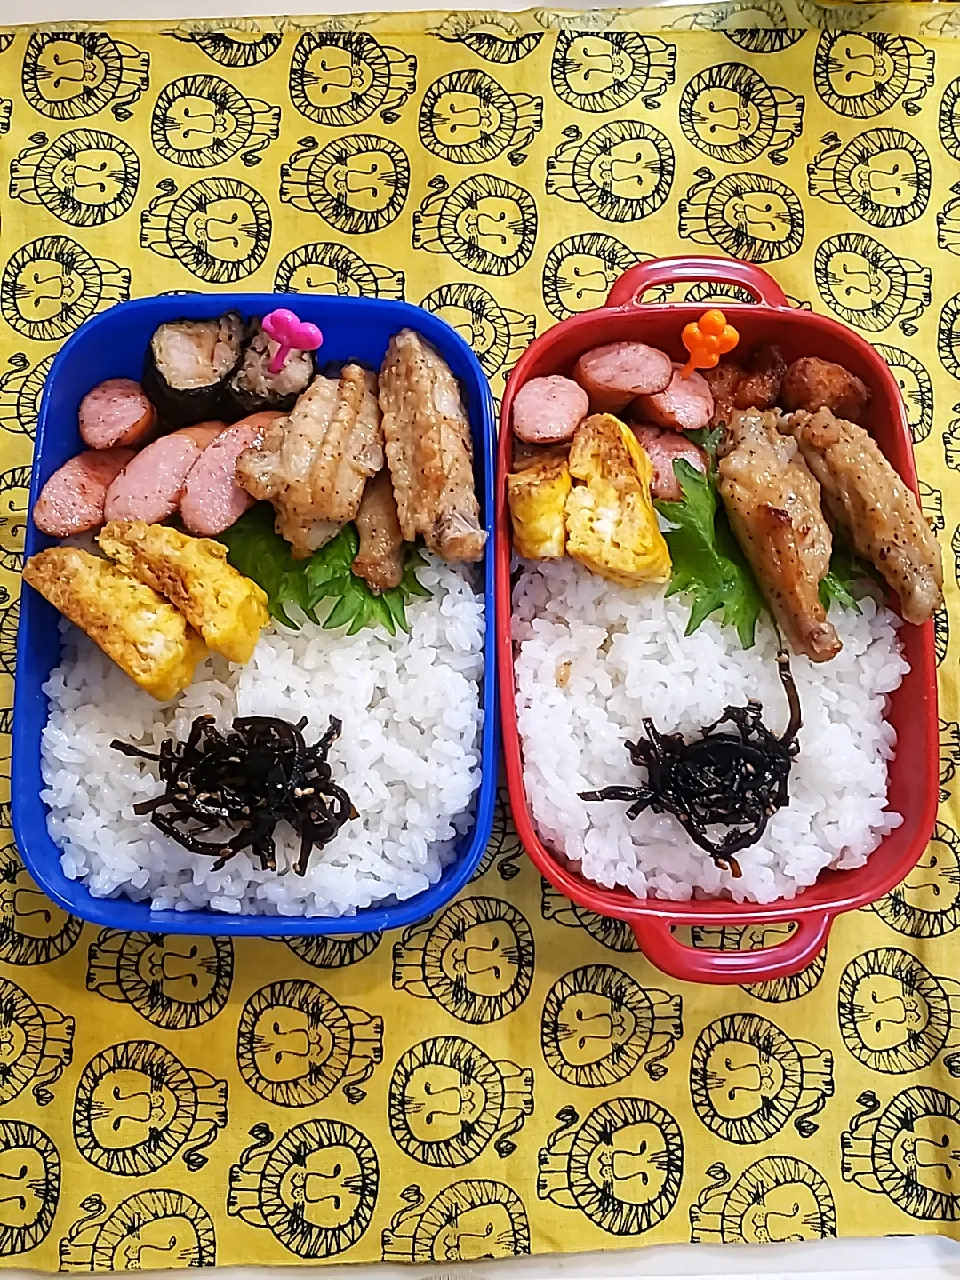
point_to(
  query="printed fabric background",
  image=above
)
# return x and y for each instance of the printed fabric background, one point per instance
(510, 1076)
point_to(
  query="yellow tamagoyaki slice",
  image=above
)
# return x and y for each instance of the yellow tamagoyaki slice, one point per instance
(537, 495)
(611, 523)
(227, 609)
(133, 624)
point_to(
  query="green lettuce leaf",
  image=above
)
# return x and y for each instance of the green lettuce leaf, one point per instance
(707, 563)
(707, 438)
(257, 550)
(845, 577)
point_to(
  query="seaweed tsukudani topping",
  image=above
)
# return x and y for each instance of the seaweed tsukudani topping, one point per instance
(737, 780)
(259, 774)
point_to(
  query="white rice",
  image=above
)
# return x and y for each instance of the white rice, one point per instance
(593, 659)
(408, 756)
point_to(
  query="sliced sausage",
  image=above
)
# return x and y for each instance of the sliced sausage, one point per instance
(212, 499)
(204, 433)
(150, 487)
(663, 448)
(549, 410)
(72, 500)
(612, 375)
(686, 404)
(116, 412)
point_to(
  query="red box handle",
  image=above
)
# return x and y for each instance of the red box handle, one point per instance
(662, 947)
(628, 290)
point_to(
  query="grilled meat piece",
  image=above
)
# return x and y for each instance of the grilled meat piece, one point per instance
(723, 380)
(313, 464)
(380, 558)
(773, 504)
(811, 383)
(878, 512)
(759, 387)
(429, 449)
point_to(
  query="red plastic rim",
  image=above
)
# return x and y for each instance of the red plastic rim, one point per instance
(914, 773)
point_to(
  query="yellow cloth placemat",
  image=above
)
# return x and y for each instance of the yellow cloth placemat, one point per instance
(174, 1101)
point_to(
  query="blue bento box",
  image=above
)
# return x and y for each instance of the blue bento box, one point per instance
(112, 345)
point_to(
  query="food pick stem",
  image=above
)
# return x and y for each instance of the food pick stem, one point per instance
(291, 334)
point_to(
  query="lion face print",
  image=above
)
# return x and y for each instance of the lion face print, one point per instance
(333, 75)
(477, 1234)
(740, 1078)
(860, 74)
(66, 71)
(33, 930)
(180, 969)
(507, 1074)
(315, 1188)
(927, 903)
(439, 1101)
(193, 123)
(29, 1186)
(150, 1230)
(786, 1215)
(468, 1221)
(486, 958)
(590, 1027)
(287, 1046)
(327, 1189)
(45, 287)
(72, 75)
(775, 1200)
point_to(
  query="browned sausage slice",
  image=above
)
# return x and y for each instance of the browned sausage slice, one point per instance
(686, 404)
(663, 448)
(204, 433)
(212, 499)
(150, 487)
(549, 410)
(116, 412)
(612, 375)
(72, 500)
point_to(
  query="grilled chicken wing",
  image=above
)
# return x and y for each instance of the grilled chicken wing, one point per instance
(352, 449)
(877, 511)
(429, 449)
(313, 464)
(379, 560)
(773, 503)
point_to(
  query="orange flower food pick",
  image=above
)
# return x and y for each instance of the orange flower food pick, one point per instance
(707, 339)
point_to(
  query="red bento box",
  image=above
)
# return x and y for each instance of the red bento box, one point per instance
(914, 773)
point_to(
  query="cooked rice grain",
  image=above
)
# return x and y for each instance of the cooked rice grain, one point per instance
(408, 755)
(593, 659)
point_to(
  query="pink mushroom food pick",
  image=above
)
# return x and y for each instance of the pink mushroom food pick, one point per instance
(291, 334)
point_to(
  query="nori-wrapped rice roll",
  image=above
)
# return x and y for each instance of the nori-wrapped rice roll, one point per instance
(252, 387)
(187, 366)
